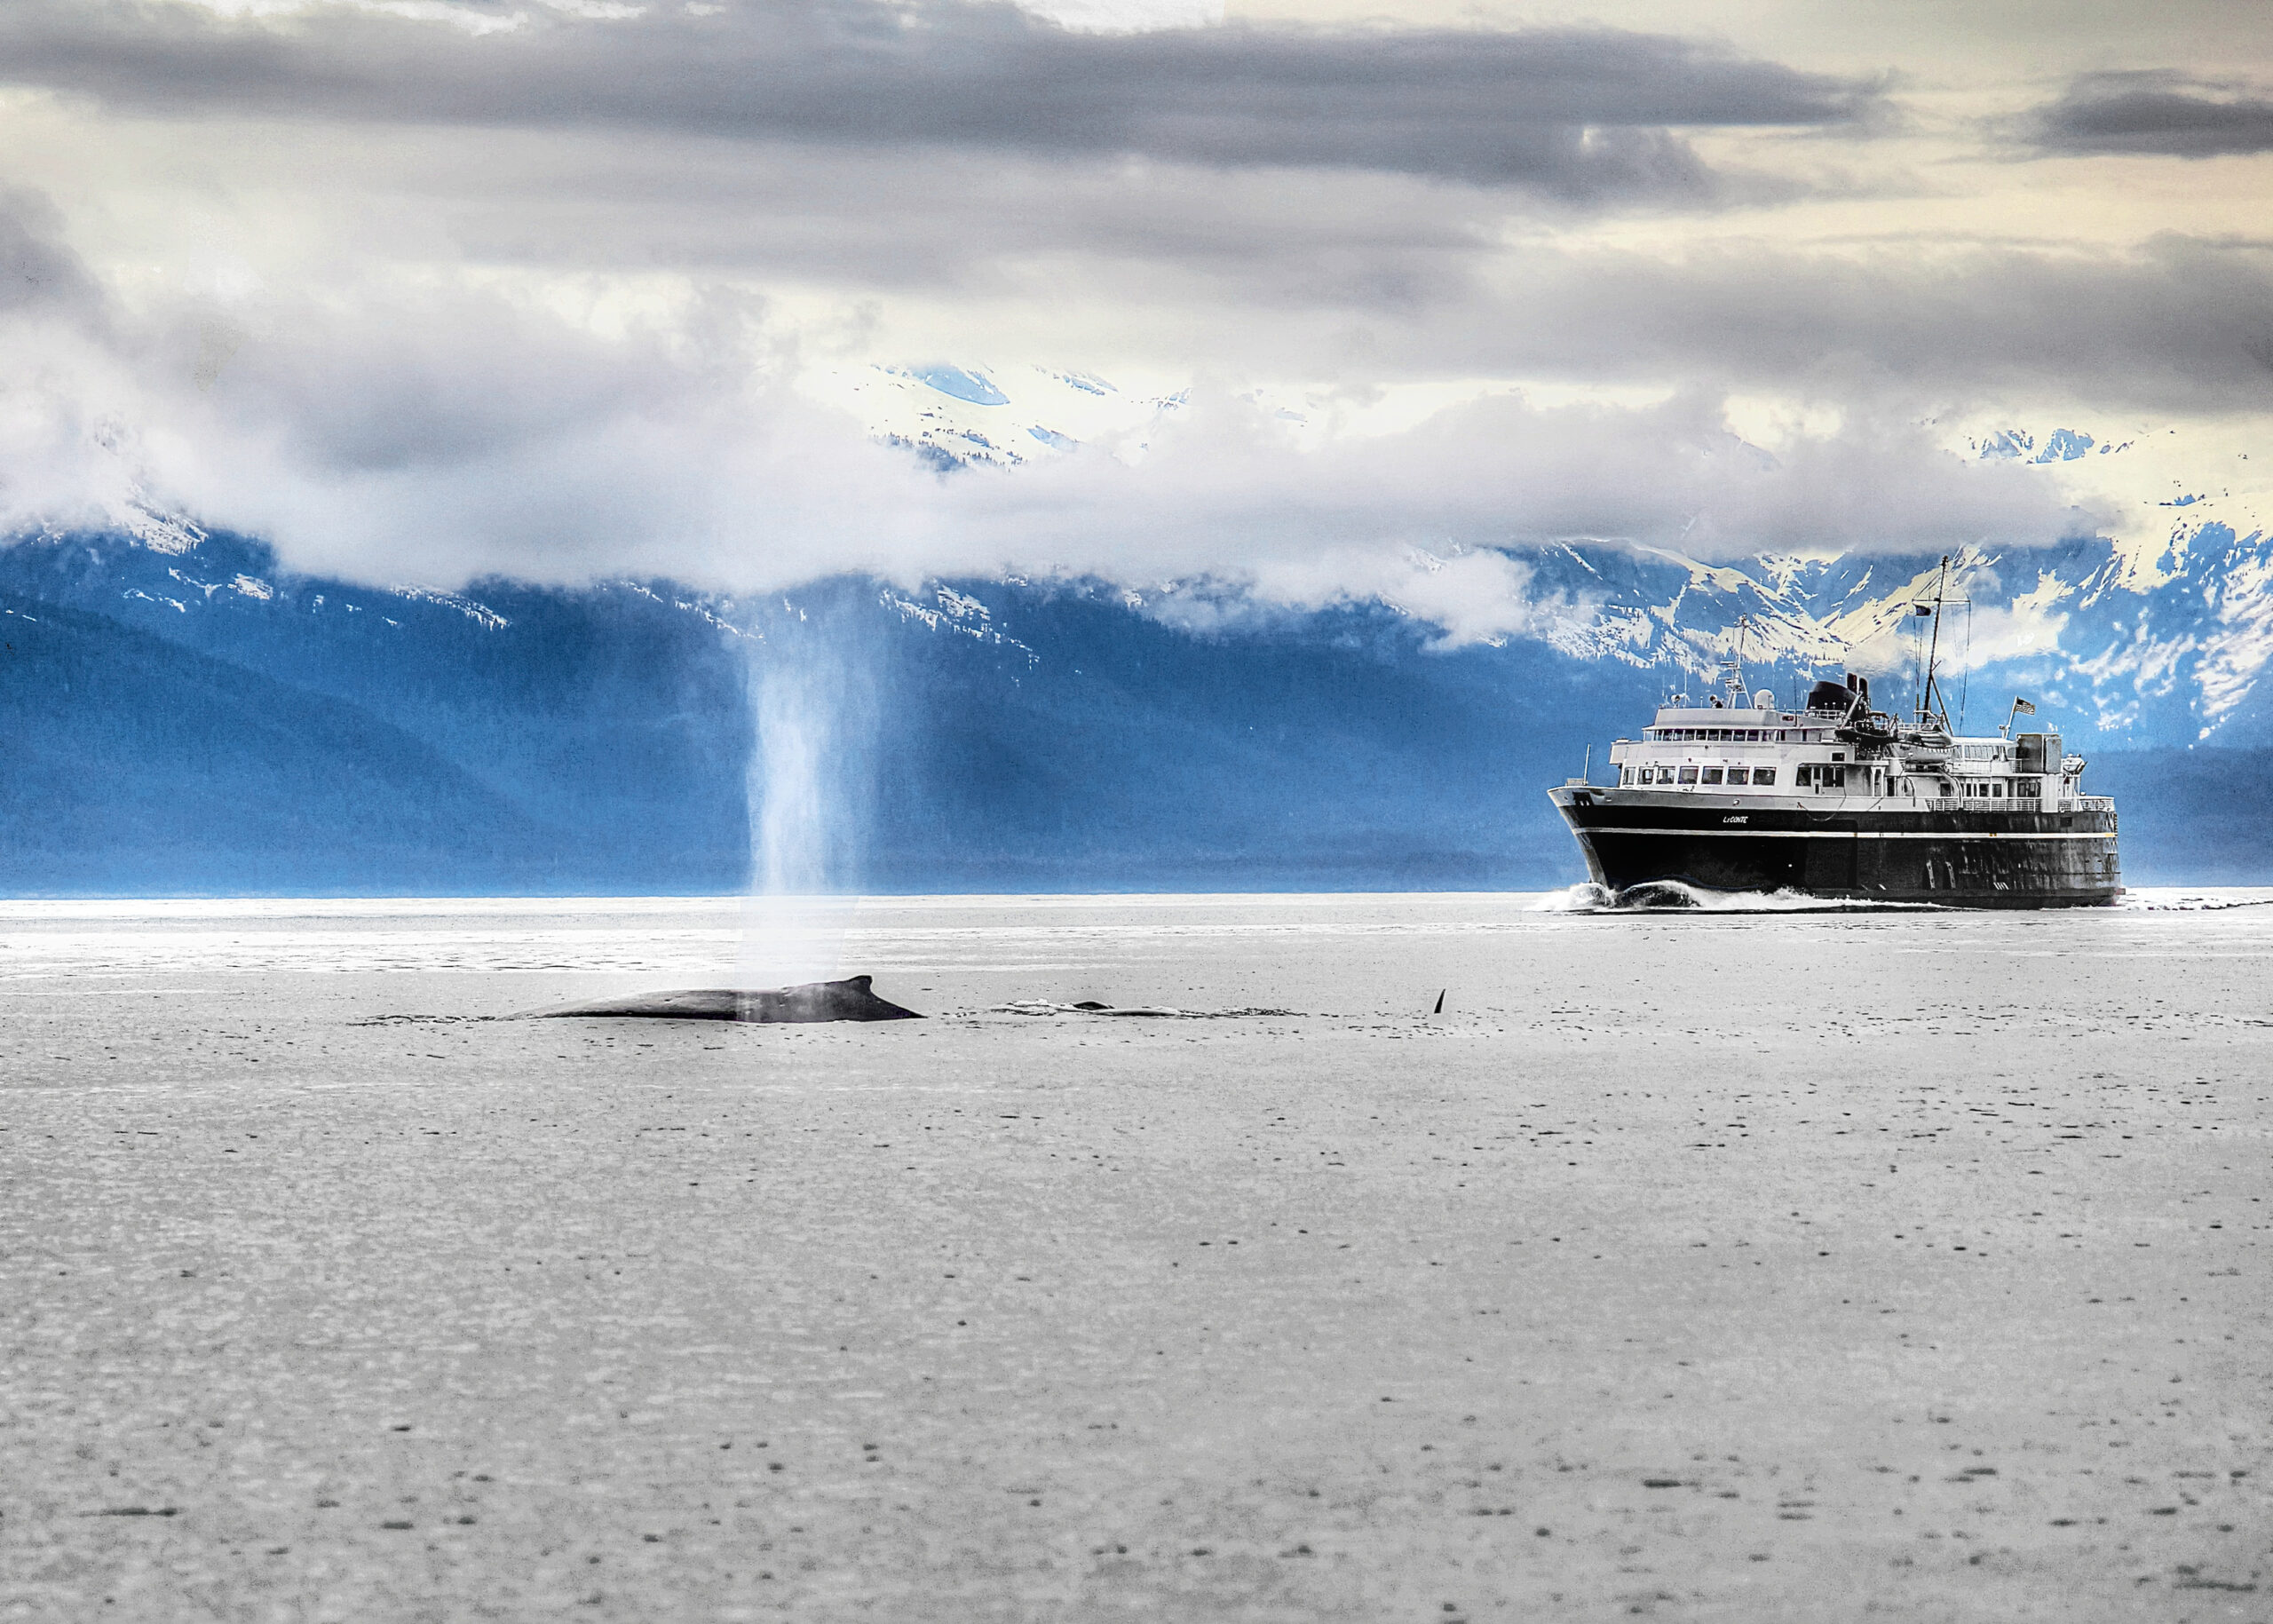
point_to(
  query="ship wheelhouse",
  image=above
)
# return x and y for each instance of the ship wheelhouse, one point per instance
(1762, 750)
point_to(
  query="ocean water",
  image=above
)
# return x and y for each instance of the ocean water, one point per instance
(1733, 1261)
(716, 939)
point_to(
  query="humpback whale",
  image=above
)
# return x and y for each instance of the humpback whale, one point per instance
(847, 999)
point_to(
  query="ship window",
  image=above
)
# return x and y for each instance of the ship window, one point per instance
(1948, 787)
(2029, 788)
(1764, 775)
(1689, 775)
(1737, 775)
(1712, 775)
(1997, 790)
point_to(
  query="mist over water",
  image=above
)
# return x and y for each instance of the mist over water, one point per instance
(812, 775)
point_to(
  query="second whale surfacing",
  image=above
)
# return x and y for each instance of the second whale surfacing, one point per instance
(850, 999)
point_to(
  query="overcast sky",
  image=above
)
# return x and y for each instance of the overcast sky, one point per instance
(435, 287)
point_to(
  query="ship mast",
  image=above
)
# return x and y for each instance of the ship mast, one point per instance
(1927, 693)
(1732, 668)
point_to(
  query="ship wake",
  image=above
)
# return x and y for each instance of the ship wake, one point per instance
(1680, 897)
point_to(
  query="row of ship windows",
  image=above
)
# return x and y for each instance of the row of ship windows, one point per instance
(1689, 775)
(1734, 735)
(1825, 775)
(1785, 735)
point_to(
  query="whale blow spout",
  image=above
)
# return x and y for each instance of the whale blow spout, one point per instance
(847, 999)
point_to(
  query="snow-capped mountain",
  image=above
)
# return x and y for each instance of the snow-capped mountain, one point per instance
(179, 711)
(975, 416)
(2158, 632)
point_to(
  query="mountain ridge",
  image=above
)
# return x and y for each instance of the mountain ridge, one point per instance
(1010, 733)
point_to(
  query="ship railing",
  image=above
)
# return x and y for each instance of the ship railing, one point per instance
(2095, 802)
(1948, 804)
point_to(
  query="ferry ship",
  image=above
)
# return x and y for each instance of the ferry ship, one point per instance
(1837, 799)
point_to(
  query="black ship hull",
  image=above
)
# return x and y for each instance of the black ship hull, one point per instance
(1847, 849)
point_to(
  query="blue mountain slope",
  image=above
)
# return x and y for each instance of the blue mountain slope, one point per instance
(1122, 754)
(231, 781)
(612, 720)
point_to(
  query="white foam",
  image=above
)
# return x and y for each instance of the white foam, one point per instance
(1677, 896)
(2193, 899)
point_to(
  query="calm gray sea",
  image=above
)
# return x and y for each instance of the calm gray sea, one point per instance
(1740, 1264)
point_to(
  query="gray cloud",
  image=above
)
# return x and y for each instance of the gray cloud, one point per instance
(1326, 276)
(37, 268)
(2178, 324)
(2156, 112)
(1584, 115)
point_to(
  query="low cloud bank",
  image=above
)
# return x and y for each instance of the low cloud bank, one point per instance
(442, 434)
